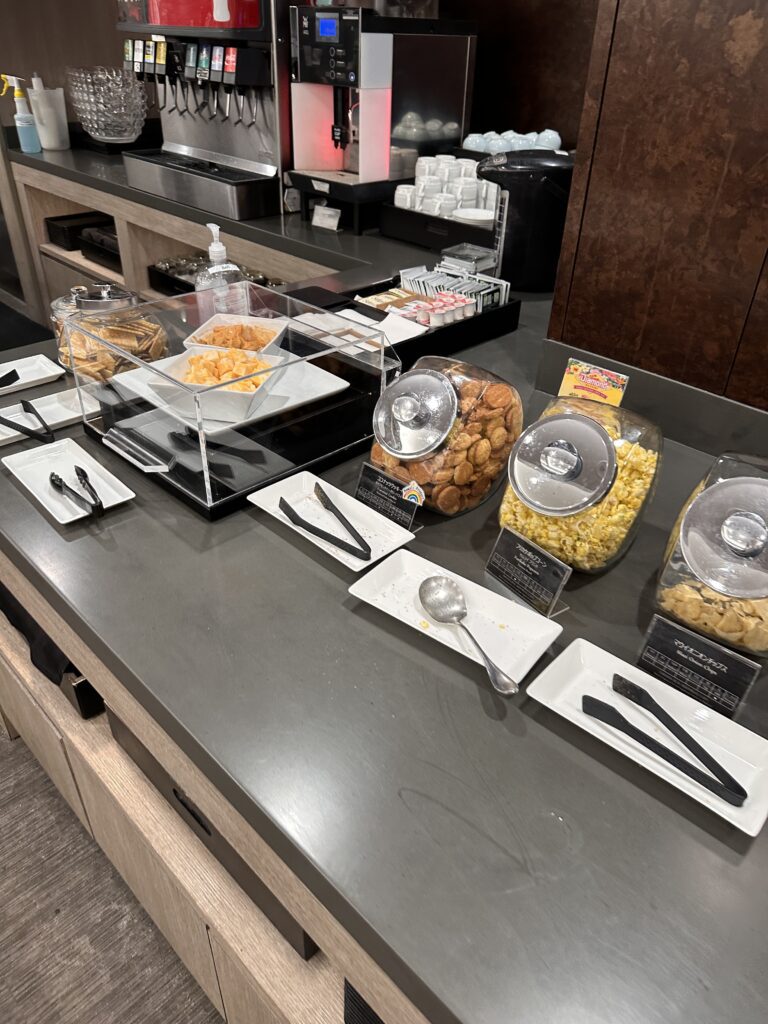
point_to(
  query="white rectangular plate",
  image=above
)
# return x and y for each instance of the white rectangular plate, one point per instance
(583, 668)
(300, 383)
(513, 636)
(58, 410)
(32, 371)
(33, 469)
(381, 533)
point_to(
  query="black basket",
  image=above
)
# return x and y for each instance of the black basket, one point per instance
(356, 1010)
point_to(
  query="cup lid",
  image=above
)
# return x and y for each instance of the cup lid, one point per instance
(415, 414)
(102, 295)
(724, 537)
(562, 464)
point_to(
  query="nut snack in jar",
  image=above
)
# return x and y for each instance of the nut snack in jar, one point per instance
(448, 426)
(715, 575)
(109, 312)
(579, 478)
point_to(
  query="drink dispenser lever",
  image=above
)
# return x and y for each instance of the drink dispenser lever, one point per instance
(203, 73)
(228, 79)
(188, 81)
(161, 78)
(217, 76)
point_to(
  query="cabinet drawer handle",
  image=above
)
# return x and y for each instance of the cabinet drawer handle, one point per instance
(192, 811)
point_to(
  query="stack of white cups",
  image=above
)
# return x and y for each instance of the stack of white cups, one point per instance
(447, 187)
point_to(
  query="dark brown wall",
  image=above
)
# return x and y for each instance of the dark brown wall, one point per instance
(532, 62)
(747, 382)
(47, 36)
(662, 259)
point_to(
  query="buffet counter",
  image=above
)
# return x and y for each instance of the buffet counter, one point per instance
(459, 858)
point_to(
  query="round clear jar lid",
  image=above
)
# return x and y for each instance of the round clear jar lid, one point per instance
(724, 537)
(415, 414)
(562, 465)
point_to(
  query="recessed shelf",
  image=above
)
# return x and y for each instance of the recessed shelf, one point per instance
(74, 258)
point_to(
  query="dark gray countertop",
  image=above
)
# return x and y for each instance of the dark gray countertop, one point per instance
(353, 255)
(498, 863)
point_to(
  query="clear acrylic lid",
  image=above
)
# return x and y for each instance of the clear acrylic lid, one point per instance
(415, 414)
(724, 537)
(562, 464)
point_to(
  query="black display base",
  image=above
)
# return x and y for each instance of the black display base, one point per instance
(433, 233)
(360, 203)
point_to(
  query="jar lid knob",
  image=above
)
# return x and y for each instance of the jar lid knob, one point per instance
(745, 533)
(562, 459)
(408, 409)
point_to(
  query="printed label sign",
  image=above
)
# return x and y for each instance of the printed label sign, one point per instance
(583, 380)
(384, 494)
(528, 571)
(703, 669)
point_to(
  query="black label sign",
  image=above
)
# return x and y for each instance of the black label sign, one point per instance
(528, 571)
(701, 668)
(384, 494)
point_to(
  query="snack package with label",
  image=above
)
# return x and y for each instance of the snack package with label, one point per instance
(715, 575)
(450, 427)
(579, 479)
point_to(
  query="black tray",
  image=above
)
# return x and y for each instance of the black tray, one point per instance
(167, 283)
(104, 255)
(65, 230)
(433, 233)
(444, 341)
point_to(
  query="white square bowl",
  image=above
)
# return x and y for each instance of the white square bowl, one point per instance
(276, 324)
(218, 402)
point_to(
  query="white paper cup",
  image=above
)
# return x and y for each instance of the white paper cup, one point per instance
(467, 167)
(447, 204)
(404, 196)
(426, 166)
(428, 185)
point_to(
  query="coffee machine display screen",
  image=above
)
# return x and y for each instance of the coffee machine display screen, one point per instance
(328, 29)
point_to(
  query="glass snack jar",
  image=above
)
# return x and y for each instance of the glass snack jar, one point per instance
(579, 478)
(715, 575)
(136, 333)
(449, 427)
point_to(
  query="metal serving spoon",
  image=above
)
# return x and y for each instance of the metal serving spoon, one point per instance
(443, 600)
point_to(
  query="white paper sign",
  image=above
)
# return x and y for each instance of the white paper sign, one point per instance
(326, 217)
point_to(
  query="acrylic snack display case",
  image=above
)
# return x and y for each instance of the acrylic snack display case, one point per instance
(715, 576)
(236, 401)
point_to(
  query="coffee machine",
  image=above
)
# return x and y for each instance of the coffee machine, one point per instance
(371, 92)
(220, 70)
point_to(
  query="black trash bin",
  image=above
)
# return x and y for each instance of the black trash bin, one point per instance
(539, 183)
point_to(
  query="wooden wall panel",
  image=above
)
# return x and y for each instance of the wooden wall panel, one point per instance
(531, 63)
(47, 36)
(602, 41)
(675, 223)
(748, 381)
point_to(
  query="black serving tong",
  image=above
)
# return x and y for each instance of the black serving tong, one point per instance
(360, 550)
(91, 504)
(722, 785)
(9, 378)
(43, 434)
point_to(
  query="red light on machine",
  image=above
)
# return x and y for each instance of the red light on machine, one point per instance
(206, 13)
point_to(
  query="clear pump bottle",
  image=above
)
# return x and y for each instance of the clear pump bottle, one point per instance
(215, 281)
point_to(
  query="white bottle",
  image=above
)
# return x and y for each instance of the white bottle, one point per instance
(214, 281)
